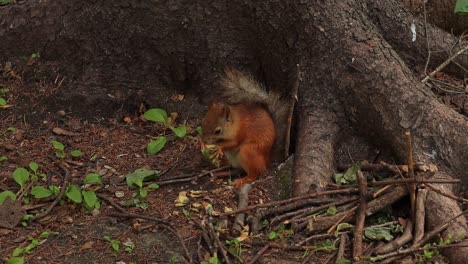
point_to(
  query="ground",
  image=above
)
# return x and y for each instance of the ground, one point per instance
(114, 147)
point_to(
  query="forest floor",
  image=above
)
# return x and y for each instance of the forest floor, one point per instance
(113, 148)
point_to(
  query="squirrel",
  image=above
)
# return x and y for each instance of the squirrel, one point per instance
(243, 125)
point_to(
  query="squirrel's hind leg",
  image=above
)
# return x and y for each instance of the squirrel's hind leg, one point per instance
(253, 162)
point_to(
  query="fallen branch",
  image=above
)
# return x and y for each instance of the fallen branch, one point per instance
(383, 166)
(189, 179)
(243, 203)
(341, 247)
(445, 63)
(409, 152)
(420, 215)
(360, 216)
(281, 202)
(259, 254)
(399, 241)
(373, 207)
(448, 195)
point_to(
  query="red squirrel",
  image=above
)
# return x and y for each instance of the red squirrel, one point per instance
(243, 126)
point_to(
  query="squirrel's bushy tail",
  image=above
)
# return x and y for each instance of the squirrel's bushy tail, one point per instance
(240, 87)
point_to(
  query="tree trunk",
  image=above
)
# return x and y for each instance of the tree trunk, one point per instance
(360, 69)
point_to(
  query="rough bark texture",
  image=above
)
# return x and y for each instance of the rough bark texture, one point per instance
(358, 66)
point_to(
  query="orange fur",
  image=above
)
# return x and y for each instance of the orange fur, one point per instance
(245, 132)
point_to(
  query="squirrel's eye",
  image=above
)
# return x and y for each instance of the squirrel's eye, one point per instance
(217, 131)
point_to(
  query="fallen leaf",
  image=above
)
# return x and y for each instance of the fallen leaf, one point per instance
(11, 213)
(127, 120)
(177, 97)
(182, 200)
(87, 245)
(61, 131)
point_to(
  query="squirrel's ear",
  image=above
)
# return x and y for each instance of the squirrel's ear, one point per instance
(227, 112)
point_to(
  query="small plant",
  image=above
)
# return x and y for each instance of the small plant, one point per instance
(19, 252)
(234, 246)
(281, 233)
(115, 244)
(60, 150)
(36, 55)
(85, 196)
(3, 102)
(349, 177)
(160, 116)
(6, 131)
(212, 260)
(139, 196)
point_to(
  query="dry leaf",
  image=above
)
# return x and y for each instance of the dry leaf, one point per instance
(177, 97)
(61, 131)
(87, 245)
(127, 120)
(182, 200)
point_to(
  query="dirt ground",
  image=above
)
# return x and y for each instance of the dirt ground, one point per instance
(112, 148)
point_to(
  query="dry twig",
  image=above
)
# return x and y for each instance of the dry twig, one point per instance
(360, 216)
(243, 203)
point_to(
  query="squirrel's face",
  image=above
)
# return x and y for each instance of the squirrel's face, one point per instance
(215, 123)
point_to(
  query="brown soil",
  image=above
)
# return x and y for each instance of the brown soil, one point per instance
(120, 148)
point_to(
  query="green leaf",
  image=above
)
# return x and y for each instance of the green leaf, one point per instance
(331, 210)
(15, 260)
(180, 131)
(34, 166)
(327, 245)
(3, 158)
(156, 115)
(21, 176)
(3, 102)
(461, 7)
(58, 145)
(40, 192)
(5, 194)
(54, 189)
(11, 129)
(116, 245)
(90, 199)
(378, 233)
(342, 226)
(138, 176)
(153, 186)
(349, 177)
(93, 178)
(73, 193)
(156, 145)
(199, 130)
(76, 153)
(60, 154)
(213, 260)
(4, 90)
(272, 235)
(143, 193)
(17, 251)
